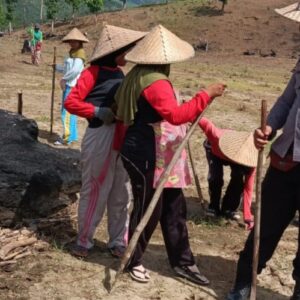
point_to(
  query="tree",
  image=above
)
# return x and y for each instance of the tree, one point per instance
(10, 9)
(224, 2)
(2, 15)
(94, 6)
(52, 10)
(75, 5)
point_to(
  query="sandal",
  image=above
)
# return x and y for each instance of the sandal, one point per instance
(139, 275)
(79, 251)
(192, 274)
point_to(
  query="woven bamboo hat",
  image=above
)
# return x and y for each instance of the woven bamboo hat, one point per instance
(291, 12)
(239, 147)
(75, 35)
(113, 38)
(159, 47)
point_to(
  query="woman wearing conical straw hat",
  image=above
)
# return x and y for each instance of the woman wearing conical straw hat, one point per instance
(280, 191)
(145, 99)
(235, 149)
(105, 182)
(71, 69)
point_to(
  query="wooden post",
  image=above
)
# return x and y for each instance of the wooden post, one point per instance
(53, 90)
(258, 204)
(196, 178)
(20, 103)
(163, 179)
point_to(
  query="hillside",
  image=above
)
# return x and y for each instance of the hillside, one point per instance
(246, 25)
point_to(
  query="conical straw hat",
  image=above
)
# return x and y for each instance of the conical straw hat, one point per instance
(239, 147)
(113, 38)
(160, 46)
(75, 35)
(291, 12)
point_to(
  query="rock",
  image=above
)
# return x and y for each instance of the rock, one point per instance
(267, 53)
(201, 46)
(35, 178)
(250, 52)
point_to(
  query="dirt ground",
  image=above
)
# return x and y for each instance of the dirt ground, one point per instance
(54, 273)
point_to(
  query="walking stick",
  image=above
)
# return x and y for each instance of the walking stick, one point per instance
(53, 90)
(196, 178)
(154, 200)
(258, 204)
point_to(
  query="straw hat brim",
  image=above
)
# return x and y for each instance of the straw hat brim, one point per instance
(113, 38)
(75, 35)
(291, 12)
(160, 46)
(238, 146)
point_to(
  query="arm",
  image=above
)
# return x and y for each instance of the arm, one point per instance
(75, 103)
(248, 192)
(75, 70)
(279, 112)
(210, 130)
(160, 96)
(59, 68)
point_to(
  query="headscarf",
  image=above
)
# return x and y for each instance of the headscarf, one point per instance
(140, 77)
(79, 53)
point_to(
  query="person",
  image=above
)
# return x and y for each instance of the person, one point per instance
(145, 98)
(27, 42)
(235, 149)
(104, 179)
(71, 69)
(36, 45)
(280, 196)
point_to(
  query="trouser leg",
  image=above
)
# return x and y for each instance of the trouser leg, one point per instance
(233, 194)
(118, 204)
(97, 177)
(174, 229)
(278, 208)
(142, 189)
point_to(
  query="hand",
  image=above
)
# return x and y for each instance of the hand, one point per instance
(215, 90)
(62, 84)
(249, 224)
(261, 138)
(105, 114)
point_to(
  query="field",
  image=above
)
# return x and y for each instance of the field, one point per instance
(54, 273)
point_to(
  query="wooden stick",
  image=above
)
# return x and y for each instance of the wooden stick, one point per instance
(196, 178)
(258, 204)
(8, 262)
(53, 90)
(20, 103)
(163, 179)
(13, 245)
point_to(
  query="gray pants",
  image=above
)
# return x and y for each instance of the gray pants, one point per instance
(105, 183)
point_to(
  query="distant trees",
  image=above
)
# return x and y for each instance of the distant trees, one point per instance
(94, 7)
(52, 10)
(75, 4)
(10, 8)
(2, 15)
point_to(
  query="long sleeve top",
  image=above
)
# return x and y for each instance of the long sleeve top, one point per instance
(71, 70)
(286, 114)
(156, 103)
(213, 135)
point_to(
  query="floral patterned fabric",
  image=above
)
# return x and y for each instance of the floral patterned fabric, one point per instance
(167, 139)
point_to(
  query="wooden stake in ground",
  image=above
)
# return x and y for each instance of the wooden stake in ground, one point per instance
(20, 103)
(163, 179)
(53, 90)
(196, 178)
(258, 204)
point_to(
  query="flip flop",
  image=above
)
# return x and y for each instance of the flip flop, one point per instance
(139, 275)
(191, 275)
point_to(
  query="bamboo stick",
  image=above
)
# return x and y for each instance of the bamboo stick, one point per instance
(20, 103)
(258, 204)
(196, 178)
(154, 200)
(53, 90)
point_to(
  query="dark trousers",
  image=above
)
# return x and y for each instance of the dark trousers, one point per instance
(233, 194)
(170, 211)
(280, 201)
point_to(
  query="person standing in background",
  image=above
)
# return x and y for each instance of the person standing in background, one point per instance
(71, 69)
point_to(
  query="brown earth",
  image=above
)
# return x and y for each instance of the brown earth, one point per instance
(55, 274)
